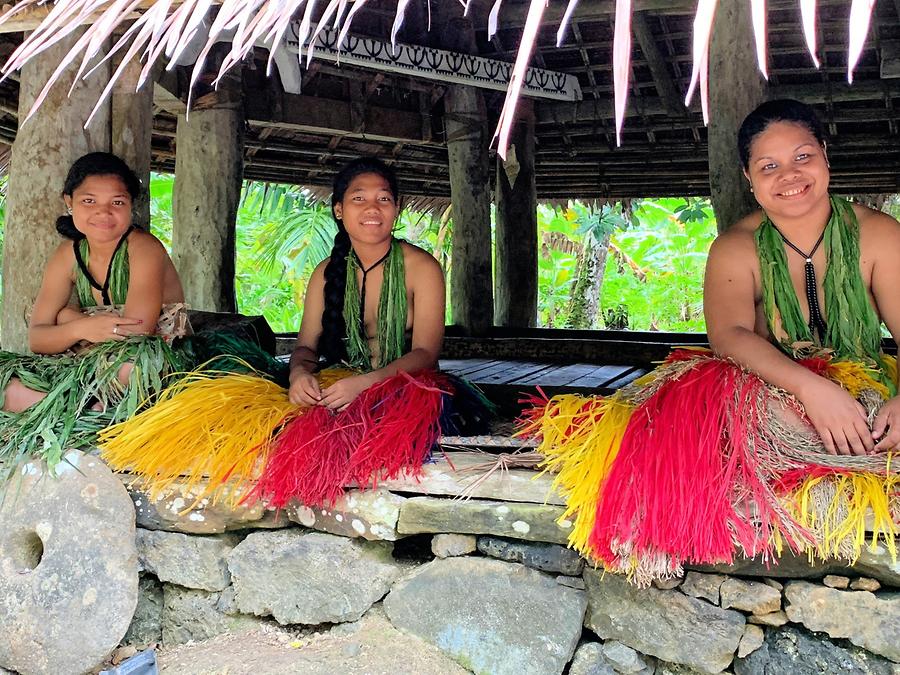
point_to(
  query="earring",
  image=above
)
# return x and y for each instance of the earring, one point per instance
(751, 189)
(69, 210)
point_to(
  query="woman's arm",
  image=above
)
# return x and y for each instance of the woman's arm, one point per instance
(147, 267)
(304, 388)
(45, 335)
(885, 234)
(428, 293)
(68, 314)
(730, 309)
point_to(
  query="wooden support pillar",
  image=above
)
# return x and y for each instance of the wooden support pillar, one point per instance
(45, 147)
(468, 139)
(736, 87)
(516, 281)
(132, 130)
(209, 152)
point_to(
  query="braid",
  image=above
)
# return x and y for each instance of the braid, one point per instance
(332, 347)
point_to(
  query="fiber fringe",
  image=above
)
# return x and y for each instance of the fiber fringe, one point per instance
(207, 430)
(700, 461)
(389, 429)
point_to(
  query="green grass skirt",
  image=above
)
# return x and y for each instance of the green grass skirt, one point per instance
(75, 383)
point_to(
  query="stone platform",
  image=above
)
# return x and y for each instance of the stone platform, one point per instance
(476, 572)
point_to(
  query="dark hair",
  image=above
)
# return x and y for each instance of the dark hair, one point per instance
(95, 164)
(332, 346)
(779, 110)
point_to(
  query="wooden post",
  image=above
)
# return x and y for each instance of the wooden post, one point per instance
(516, 282)
(736, 87)
(45, 147)
(209, 152)
(132, 130)
(465, 118)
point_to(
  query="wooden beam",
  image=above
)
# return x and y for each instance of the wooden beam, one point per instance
(513, 15)
(515, 197)
(131, 114)
(313, 114)
(890, 59)
(659, 68)
(591, 110)
(735, 88)
(468, 140)
(165, 96)
(208, 175)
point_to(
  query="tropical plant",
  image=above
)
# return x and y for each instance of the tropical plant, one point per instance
(595, 227)
(654, 277)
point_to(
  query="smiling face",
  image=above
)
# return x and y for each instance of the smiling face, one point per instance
(368, 209)
(788, 170)
(101, 207)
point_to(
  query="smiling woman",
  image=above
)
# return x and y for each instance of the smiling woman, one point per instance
(376, 303)
(94, 320)
(807, 268)
(764, 442)
(365, 402)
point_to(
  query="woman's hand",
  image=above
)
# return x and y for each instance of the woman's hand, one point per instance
(103, 327)
(343, 392)
(886, 429)
(838, 418)
(304, 389)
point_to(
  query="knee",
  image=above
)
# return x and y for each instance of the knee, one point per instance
(125, 372)
(18, 397)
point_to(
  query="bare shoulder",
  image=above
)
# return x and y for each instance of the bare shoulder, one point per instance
(318, 274)
(63, 253)
(144, 243)
(62, 261)
(876, 226)
(418, 259)
(739, 240)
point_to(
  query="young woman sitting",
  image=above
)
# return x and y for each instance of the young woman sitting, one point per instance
(78, 377)
(780, 436)
(365, 401)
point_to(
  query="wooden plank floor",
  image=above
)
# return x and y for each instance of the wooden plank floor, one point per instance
(525, 375)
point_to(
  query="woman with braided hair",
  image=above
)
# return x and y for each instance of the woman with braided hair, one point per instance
(779, 437)
(376, 304)
(365, 402)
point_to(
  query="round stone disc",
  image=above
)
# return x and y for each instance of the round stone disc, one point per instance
(68, 567)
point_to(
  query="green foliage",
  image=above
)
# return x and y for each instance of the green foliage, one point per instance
(161, 185)
(654, 274)
(282, 236)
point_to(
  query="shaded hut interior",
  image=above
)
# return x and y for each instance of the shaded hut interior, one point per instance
(345, 111)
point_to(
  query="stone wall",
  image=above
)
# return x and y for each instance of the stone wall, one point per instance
(489, 586)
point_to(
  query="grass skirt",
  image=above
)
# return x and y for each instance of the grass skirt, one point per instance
(84, 394)
(700, 461)
(75, 383)
(238, 435)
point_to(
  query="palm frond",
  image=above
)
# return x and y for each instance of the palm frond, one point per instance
(621, 62)
(808, 16)
(166, 28)
(860, 15)
(758, 12)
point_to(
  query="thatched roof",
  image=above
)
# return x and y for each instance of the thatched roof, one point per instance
(344, 111)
